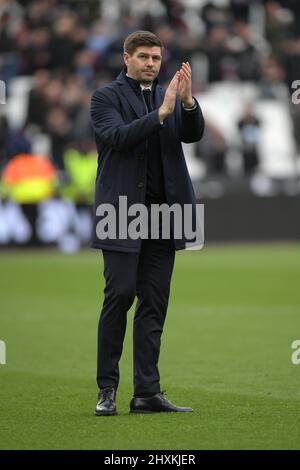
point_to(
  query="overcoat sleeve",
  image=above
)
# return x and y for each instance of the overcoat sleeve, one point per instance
(192, 124)
(111, 129)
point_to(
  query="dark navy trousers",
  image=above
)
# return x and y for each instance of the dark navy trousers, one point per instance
(147, 276)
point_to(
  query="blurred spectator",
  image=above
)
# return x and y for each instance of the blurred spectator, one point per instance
(295, 111)
(4, 136)
(29, 179)
(240, 9)
(171, 52)
(272, 80)
(294, 7)
(245, 53)
(249, 127)
(84, 67)
(59, 129)
(37, 102)
(82, 129)
(36, 51)
(278, 25)
(80, 164)
(69, 37)
(40, 13)
(15, 11)
(212, 149)
(100, 37)
(220, 61)
(175, 11)
(12, 142)
(8, 55)
(215, 16)
(17, 143)
(71, 97)
(292, 60)
(54, 92)
(6, 37)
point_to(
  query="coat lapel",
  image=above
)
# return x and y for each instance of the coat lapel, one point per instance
(131, 97)
(133, 100)
(159, 96)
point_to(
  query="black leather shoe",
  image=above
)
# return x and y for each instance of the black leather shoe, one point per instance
(106, 404)
(154, 404)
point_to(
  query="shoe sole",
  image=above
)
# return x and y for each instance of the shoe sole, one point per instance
(160, 411)
(105, 413)
(143, 411)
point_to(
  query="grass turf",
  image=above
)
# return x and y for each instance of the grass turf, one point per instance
(226, 351)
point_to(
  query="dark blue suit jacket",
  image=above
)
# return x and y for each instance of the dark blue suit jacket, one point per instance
(121, 132)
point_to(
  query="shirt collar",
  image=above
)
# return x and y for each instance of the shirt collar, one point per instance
(143, 87)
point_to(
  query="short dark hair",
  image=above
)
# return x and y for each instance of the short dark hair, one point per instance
(141, 38)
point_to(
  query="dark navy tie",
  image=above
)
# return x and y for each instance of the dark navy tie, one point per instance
(147, 96)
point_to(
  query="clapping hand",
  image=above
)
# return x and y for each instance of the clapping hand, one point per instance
(185, 85)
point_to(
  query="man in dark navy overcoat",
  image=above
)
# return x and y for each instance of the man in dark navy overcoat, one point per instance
(139, 128)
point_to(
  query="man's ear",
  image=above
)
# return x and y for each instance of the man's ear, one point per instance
(126, 57)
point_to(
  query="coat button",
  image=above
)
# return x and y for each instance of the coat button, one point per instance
(140, 185)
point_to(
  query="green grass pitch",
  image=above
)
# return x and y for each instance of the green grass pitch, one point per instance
(226, 351)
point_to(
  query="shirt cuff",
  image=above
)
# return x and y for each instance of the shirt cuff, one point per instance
(192, 108)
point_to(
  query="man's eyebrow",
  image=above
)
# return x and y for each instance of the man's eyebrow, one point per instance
(154, 55)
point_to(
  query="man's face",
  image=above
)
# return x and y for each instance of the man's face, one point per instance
(144, 64)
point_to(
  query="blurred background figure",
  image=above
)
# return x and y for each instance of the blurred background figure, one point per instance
(212, 148)
(249, 127)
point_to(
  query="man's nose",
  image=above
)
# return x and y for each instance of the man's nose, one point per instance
(150, 61)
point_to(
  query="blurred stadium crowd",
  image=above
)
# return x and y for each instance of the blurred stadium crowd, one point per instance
(245, 58)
